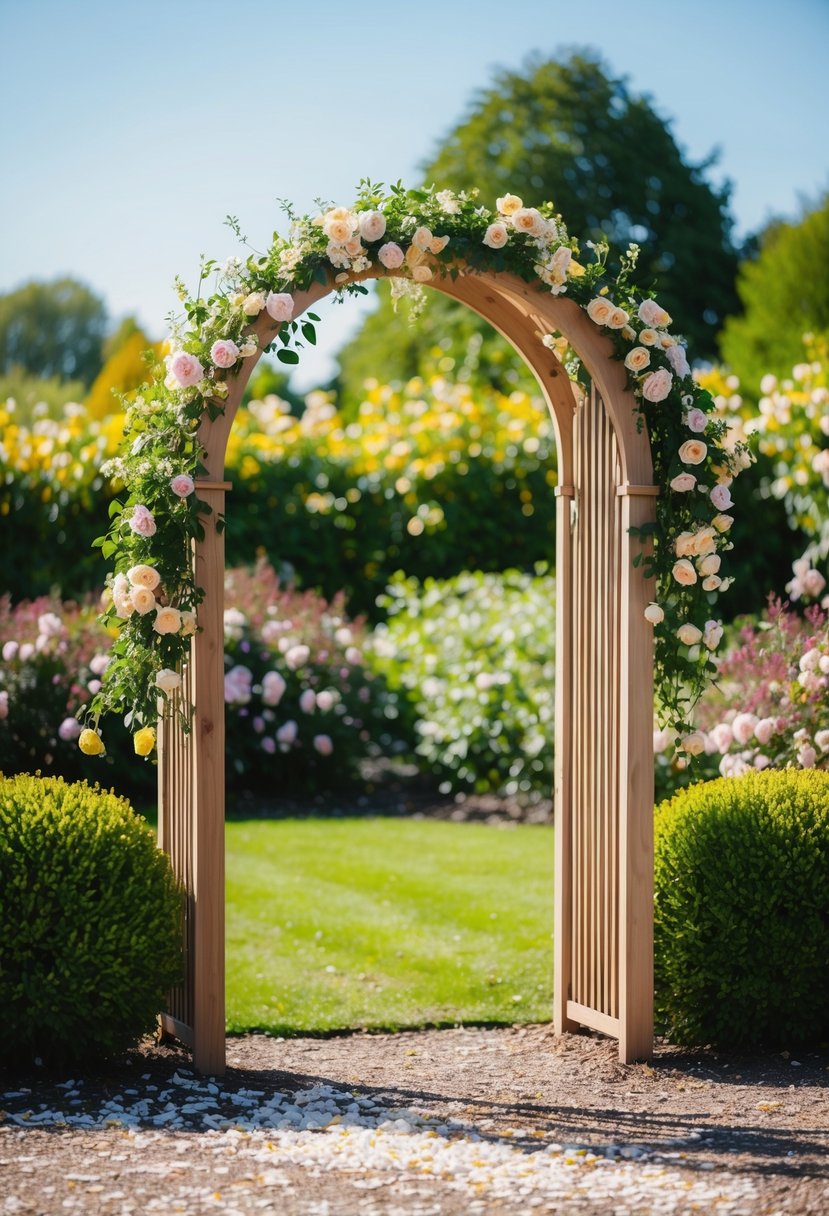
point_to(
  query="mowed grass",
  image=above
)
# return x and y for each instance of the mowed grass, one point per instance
(386, 924)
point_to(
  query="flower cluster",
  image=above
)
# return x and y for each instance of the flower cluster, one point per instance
(415, 235)
(769, 708)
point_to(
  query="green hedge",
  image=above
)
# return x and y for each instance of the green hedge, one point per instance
(90, 922)
(741, 932)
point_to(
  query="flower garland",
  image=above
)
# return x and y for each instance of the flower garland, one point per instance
(417, 235)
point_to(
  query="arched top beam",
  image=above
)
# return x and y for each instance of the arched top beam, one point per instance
(523, 313)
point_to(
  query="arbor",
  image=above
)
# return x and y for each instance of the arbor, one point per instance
(785, 294)
(566, 130)
(53, 329)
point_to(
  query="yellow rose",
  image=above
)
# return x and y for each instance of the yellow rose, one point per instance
(91, 743)
(144, 741)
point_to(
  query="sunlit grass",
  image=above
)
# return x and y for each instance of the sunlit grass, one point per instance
(386, 923)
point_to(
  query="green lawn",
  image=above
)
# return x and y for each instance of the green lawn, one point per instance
(386, 923)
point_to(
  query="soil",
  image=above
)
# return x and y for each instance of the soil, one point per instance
(753, 1130)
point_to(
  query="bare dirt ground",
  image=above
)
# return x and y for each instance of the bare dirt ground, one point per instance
(442, 1122)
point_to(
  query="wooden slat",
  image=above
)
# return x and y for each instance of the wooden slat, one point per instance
(585, 1015)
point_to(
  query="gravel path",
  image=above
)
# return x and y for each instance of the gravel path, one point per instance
(429, 1123)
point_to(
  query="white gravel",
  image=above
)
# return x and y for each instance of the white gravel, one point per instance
(376, 1147)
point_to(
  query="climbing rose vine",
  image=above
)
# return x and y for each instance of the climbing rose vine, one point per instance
(415, 236)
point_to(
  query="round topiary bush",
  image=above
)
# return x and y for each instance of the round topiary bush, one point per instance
(742, 911)
(90, 921)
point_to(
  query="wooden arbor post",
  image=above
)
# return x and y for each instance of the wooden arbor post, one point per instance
(604, 692)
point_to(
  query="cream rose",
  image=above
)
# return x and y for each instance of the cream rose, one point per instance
(649, 337)
(509, 204)
(600, 310)
(657, 385)
(654, 614)
(143, 576)
(722, 522)
(421, 274)
(253, 303)
(684, 573)
(637, 360)
(142, 600)
(694, 743)
(711, 583)
(496, 236)
(688, 634)
(188, 623)
(529, 220)
(705, 541)
(339, 230)
(422, 239)
(685, 544)
(618, 319)
(167, 620)
(372, 225)
(693, 451)
(168, 680)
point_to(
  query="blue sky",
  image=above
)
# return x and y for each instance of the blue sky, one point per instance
(131, 129)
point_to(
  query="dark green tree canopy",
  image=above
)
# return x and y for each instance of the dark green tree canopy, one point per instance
(53, 329)
(785, 294)
(566, 131)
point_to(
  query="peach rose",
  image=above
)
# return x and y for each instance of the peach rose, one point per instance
(685, 544)
(649, 337)
(421, 274)
(711, 583)
(496, 236)
(722, 522)
(600, 310)
(422, 239)
(618, 319)
(684, 573)
(529, 220)
(637, 360)
(688, 634)
(683, 482)
(167, 620)
(694, 743)
(693, 451)
(654, 614)
(709, 564)
(438, 244)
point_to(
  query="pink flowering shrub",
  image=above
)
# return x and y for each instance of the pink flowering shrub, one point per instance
(302, 709)
(769, 706)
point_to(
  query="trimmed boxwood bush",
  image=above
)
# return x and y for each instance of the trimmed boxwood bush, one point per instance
(742, 911)
(90, 921)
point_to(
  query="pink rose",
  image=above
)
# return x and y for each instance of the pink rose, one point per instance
(279, 305)
(142, 521)
(807, 756)
(372, 225)
(325, 700)
(693, 451)
(186, 369)
(268, 745)
(683, 483)
(653, 315)
(323, 744)
(307, 701)
(69, 729)
(287, 733)
(224, 352)
(764, 730)
(678, 360)
(273, 688)
(496, 236)
(657, 385)
(743, 727)
(721, 498)
(390, 255)
(721, 736)
(182, 485)
(696, 421)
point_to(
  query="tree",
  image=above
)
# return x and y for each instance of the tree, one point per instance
(128, 354)
(785, 294)
(565, 130)
(53, 329)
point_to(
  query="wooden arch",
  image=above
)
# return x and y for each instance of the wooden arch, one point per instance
(604, 691)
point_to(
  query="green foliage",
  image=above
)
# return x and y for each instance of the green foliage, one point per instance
(53, 329)
(472, 660)
(567, 130)
(35, 397)
(742, 911)
(90, 922)
(386, 924)
(785, 294)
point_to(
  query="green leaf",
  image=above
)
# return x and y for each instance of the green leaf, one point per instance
(114, 508)
(287, 356)
(309, 333)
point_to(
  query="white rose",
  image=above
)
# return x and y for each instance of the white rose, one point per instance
(168, 680)
(496, 236)
(654, 614)
(372, 225)
(253, 304)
